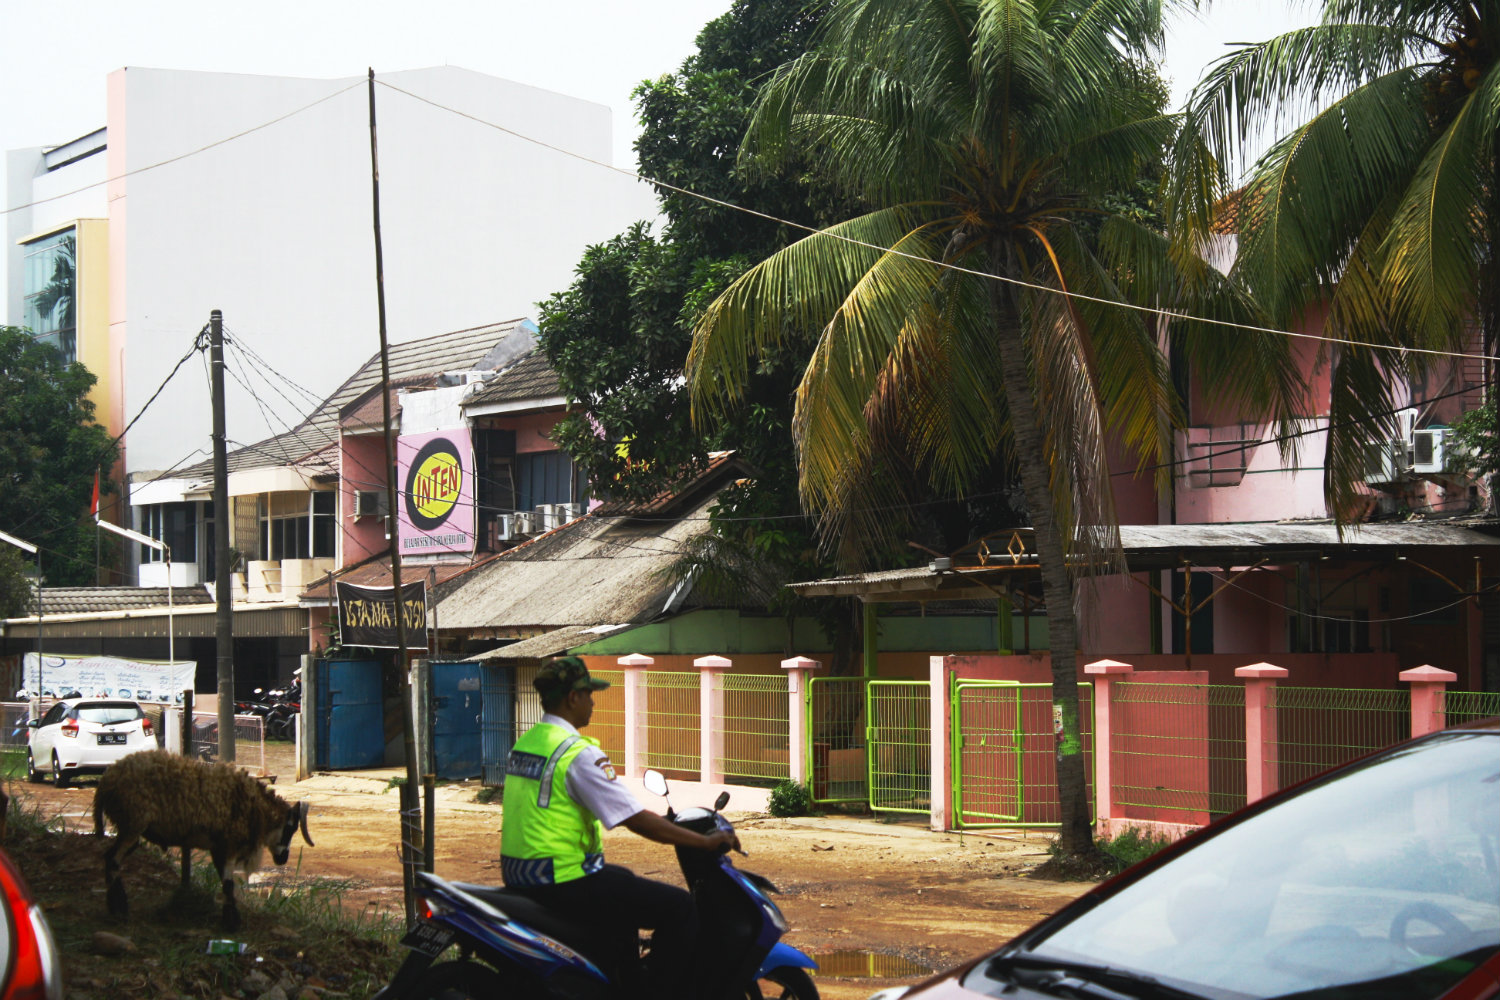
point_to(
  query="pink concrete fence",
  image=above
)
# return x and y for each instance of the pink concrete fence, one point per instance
(1175, 751)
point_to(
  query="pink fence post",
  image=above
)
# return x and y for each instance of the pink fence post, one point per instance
(1428, 685)
(1261, 754)
(798, 672)
(941, 718)
(636, 732)
(1104, 673)
(711, 710)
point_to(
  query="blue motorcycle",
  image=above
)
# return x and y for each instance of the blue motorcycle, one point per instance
(509, 946)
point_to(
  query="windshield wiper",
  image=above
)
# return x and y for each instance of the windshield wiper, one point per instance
(1081, 979)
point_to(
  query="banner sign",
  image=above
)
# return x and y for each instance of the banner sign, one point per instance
(367, 615)
(53, 675)
(436, 473)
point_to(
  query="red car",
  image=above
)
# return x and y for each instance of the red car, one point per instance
(30, 967)
(1379, 880)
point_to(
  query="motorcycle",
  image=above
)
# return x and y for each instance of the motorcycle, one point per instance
(511, 946)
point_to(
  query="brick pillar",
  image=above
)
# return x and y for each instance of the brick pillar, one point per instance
(711, 710)
(942, 739)
(798, 672)
(1261, 754)
(636, 734)
(1104, 673)
(1428, 684)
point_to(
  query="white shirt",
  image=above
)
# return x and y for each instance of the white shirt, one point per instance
(591, 781)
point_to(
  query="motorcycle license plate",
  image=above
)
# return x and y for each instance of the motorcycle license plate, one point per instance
(106, 739)
(429, 939)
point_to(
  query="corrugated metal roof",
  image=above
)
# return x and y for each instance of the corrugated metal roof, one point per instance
(540, 647)
(460, 349)
(196, 622)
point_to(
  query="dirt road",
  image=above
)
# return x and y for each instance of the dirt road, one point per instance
(849, 885)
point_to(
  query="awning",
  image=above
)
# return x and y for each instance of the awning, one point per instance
(540, 647)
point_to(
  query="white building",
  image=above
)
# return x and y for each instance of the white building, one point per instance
(236, 192)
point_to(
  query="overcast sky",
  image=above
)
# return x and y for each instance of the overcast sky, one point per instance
(55, 54)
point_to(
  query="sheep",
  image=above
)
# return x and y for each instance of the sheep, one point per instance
(176, 801)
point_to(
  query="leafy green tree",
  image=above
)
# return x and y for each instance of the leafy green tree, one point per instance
(990, 136)
(15, 589)
(49, 453)
(1380, 205)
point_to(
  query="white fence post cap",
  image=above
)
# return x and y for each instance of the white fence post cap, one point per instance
(713, 663)
(801, 663)
(1262, 670)
(1107, 667)
(635, 660)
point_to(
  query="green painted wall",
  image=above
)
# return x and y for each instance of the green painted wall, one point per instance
(729, 632)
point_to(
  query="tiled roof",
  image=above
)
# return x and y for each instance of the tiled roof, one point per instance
(90, 600)
(376, 572)
(689, 490)
(458, 350)
(531, 377)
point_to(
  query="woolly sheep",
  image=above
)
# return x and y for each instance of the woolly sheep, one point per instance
(176, 801)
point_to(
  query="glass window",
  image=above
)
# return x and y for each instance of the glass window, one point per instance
(324, 524)
(49, 307)
(106, 715)
(298, 525)
(545, 477)
(173, 523)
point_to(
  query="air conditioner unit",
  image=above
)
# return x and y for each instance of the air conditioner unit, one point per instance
(1385, 462)
(571, 511)
(548, 516)
(505, 528)
(1427, 450)
(370, 503)
(523, 522)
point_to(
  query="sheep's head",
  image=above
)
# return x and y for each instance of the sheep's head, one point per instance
(296, 819)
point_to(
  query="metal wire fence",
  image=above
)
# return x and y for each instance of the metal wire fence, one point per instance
(1177, 750)
(900, 745)
(1320, 728)
(837, 759)
(754, 728)
(673, 723)
(608, 724)
(1005, 753)
(249, 739)
(1469, 706)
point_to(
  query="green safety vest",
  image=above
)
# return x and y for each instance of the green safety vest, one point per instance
(545, 836)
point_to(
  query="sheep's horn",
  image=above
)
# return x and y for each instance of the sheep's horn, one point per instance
(302, 808)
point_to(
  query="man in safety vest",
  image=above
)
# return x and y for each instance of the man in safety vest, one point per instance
(561, 793)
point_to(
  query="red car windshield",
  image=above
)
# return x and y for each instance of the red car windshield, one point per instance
(1383, 884)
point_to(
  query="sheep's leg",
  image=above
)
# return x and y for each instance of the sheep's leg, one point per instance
(114, 885)
(231, 914)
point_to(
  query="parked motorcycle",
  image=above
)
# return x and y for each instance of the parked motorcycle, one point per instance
(510, 946)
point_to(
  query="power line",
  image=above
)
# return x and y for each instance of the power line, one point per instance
(813, 230)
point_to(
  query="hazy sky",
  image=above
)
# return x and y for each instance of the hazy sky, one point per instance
(54, 54)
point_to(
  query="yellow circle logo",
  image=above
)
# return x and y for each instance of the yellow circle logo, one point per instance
(433, 484)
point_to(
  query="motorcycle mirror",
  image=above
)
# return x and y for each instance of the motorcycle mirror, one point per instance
(721, 801)
(655, 782)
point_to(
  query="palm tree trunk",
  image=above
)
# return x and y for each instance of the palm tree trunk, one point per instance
(1076, 835)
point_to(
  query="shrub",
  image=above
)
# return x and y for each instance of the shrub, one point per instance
(1133, 845)
(790, 798)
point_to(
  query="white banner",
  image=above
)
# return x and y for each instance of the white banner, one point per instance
(63, 676)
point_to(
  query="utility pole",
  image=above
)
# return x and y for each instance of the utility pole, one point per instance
(410, 818)
(223, 589)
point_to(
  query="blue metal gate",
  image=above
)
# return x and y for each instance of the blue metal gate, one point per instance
(351, 730)
(497, 720)
(456, 710)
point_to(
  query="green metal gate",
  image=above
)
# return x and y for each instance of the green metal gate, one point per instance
(899, 743)
(1004, 753)
(837, 757)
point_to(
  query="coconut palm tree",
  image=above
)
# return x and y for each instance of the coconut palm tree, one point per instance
(968, 314)
(1378, 203)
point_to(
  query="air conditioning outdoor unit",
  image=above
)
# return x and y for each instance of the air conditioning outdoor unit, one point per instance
(548, 516)
(505, 528)
(370, 503)
(1385, 461)
(1427, 450)
(571, 511)
(523, 522)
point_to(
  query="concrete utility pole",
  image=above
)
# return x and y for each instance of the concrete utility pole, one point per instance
(223, 589)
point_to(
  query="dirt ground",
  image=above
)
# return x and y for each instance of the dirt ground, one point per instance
(849, 884)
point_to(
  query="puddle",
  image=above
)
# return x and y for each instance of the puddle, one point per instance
(867, 965)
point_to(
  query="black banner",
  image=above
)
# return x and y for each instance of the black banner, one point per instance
(367, 615)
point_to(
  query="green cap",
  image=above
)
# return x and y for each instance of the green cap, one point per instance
(565, 674)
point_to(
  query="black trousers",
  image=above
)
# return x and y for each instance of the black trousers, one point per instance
(619, 903)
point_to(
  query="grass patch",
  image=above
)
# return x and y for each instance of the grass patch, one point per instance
(12, 763)
(489, 793)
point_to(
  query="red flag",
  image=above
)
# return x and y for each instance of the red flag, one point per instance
(95, 510)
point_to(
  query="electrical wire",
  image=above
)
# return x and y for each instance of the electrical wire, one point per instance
(1004, 279)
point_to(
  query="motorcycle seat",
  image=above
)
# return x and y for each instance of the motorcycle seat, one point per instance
(587, 938)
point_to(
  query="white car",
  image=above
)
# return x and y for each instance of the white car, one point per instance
(85, 736)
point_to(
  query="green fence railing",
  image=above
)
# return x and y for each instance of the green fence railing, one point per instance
(899, 745)
(1178, 748)
(1320, 728)
(754, 727)
(837, 755)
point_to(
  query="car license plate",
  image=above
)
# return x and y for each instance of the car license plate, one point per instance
(429, 939)
(105, 739)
